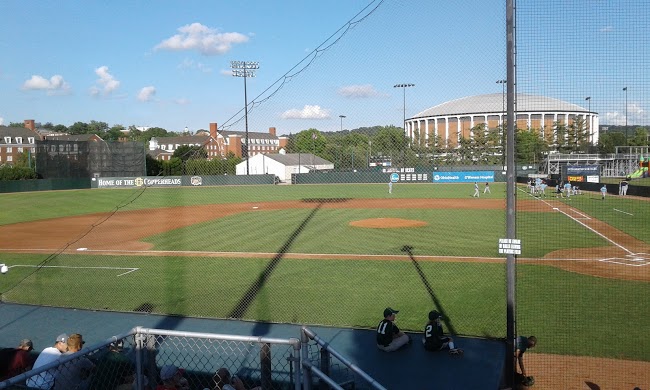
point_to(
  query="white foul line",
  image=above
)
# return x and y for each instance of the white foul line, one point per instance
(620, 211)
(588, 227)
(66, 266)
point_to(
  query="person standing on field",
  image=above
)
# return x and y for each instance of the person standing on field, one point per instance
(623, 188)
(389, 337)
(390, 187)
(603, 191)
(476, 191)
(487, 188)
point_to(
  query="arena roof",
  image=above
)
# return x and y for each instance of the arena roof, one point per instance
(493, 103)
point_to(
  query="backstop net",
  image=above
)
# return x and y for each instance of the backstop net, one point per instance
(77, 159)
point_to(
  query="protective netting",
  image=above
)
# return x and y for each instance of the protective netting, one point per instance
(340, 244)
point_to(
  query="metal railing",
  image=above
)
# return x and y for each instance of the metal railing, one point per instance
(144, 357)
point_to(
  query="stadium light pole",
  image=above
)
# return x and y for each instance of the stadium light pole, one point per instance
(404, 86)
(245, 69)
(342, 116)
(627, 142)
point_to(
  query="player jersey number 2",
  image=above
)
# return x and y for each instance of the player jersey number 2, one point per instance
(428, 330)
(381, 329)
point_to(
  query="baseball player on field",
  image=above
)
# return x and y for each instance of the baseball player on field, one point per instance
(389, 337)
(434, 338)
(476, 191)
(487, 188)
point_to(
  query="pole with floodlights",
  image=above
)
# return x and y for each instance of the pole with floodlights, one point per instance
(245, 69)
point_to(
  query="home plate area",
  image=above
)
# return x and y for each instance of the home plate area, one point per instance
(633, 259)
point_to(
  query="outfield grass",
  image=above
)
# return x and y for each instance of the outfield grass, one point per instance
(605, 318)
(571, 313)
(52, 204)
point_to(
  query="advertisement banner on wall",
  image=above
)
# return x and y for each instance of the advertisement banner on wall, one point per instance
(131, 182)
(582, 170)
(463, 177)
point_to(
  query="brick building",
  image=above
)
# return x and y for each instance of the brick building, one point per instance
(218, 144)
(15, 141)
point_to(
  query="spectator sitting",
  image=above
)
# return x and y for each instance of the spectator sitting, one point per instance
(74, 374)
(15, 361)
(172, 378)
(45, 380)
(224, 381)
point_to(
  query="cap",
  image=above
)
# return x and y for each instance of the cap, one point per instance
(388, 311)
(62, 338)
(434, 314)
(26, 343)
(168, 372)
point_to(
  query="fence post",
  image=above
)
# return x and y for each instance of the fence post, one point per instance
(265, 366)
(139, 337)
(304, 357)
(324, 367)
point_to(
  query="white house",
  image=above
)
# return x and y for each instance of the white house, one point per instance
(283, 165)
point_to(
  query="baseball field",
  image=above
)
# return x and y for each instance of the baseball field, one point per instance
(338, 255)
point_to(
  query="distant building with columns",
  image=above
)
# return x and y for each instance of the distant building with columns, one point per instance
(455, 119)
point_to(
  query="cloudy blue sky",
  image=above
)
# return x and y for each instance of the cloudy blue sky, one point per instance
(167, 64)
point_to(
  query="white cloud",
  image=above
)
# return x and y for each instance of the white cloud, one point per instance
(146, 93)
(182, 101)
(308, 112)
(107, 82)
(205, 40)
(188, 64)
(226, 72)
(55, 84)
(359, 91)
(2, 121)
(636, 114)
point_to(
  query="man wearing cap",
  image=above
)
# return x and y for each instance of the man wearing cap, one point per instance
(434, 338)
(389, 337)
(45, 380)
(15, 361)
(74, 374)
(172, 378)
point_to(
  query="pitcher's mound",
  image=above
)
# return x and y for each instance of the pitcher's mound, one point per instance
(387, 223)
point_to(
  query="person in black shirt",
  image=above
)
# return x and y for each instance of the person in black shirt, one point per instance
(434, 338)
(389, 337)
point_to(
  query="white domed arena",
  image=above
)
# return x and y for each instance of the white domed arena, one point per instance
(450, 121)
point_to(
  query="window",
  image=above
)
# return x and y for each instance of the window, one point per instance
(10, 149)
(20, 150)
(10, 158)
(7, 140)
(163, 147)
(33, 150)
(30, 140)
(19, 140)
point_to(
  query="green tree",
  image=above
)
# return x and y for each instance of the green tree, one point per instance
(25, 160)
(529, 146)
(114, 133)
(640, 137)
(607, 142)
(16, 124)
(309, 141)
(187, 152)
(60, 129)
(78, 128)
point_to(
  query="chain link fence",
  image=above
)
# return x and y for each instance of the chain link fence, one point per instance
(146, 358)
